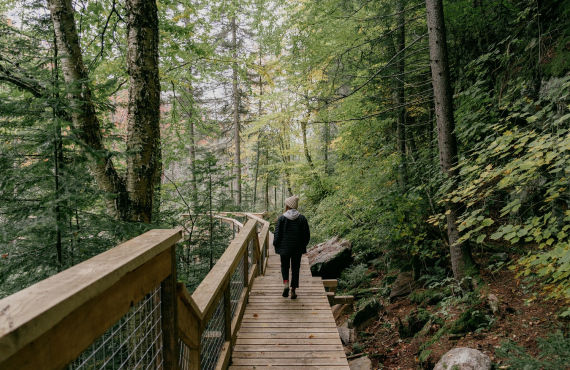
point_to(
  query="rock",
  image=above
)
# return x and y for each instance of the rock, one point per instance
(339, 309)
(414, 322)
(347, 335)
(368, 312)
(328, 259)
(463, 358)
(493, 303)
(361, 363)
(403, 285)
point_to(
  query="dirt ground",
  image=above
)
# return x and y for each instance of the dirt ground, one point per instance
(518, 319)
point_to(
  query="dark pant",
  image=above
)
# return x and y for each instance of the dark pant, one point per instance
(294, 262)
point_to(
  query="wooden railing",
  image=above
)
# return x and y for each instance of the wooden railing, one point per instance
(234, 272)
(124, 308)
(50, 324)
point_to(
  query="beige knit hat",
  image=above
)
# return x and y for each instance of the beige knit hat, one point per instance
(292, 202)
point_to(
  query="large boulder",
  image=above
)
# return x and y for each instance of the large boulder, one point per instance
(368, 312)
(463, 358)
(328, 259)
(403, 285)
(346, 334)
(361, 363)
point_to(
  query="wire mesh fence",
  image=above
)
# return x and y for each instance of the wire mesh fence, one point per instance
(134, 342)
(184, 356)
(236, 286)
(213, 338)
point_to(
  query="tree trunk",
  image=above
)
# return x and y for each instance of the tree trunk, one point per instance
(400, 97)
(259, 136)
(130, 200)
(58, 160)
(235, 96)
(461, 260)
(193, 183)
(83, 108)
(143, 139)
(326, 144)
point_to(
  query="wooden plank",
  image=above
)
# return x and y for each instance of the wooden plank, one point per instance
(285, 335)
(313, 316)
(169, 317)
(343, 299)
(330, 284)
(32, 312)
(287, 329)
(282, 341)
(224, 358)
(69, 337)
(250, 324)
(288, 367)
(301, 356)
(189, 325)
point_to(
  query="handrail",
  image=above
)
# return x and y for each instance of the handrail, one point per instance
(194, 311)
(53, 322)
(50, 323)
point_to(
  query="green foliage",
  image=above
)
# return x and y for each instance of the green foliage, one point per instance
(354, 277)
(554, 353)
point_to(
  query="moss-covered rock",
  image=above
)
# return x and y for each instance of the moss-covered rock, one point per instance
(413, 323)
(369, 311)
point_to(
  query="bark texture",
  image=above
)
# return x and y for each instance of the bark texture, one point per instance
(400, 96)
(447, 142)
(129, 199)
(143, 139)
(235, 96)
(83, 110)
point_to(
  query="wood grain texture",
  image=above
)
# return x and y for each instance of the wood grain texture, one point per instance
(63, 342)
(281, 333)
(32, 312)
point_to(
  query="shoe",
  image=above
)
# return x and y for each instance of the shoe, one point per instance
(286, 292)
(293, 294)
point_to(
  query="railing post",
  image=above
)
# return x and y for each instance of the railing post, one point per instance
(169, 320)
(257, 253)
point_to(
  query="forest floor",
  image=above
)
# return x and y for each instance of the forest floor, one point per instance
(520, 318)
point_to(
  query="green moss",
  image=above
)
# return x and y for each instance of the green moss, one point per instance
(413, 323)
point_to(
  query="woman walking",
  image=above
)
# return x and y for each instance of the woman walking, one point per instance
(290, 241)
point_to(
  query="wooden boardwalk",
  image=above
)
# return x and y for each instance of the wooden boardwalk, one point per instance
(282, 333)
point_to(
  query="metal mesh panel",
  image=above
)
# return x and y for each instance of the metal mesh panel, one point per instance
(134, 342)
(236, 286)
(184, 358)
(213, 338)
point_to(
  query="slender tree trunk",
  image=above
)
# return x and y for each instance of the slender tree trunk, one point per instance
(267, 191)
(400, 94)
(193, 183)
(461, 260)
(326, 144)
(259, 136)
(256, 173)
(143, 139)
(83, 108)
(235, 96)
(58, 161)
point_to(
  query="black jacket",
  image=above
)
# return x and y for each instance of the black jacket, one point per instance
(291, 236)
